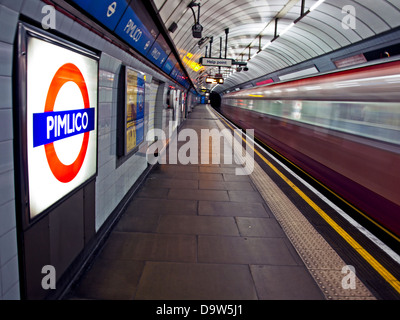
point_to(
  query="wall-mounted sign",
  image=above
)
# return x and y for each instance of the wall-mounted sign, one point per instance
(298, 74)
(133, 31)
(61, 120)
(157, 55)
(264, 82)
(214, 80)
(168, 65)
(350, 61)
(134, 109)
(108, 12)
(215, 62)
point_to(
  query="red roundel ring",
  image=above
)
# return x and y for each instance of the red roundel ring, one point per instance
(68, 72)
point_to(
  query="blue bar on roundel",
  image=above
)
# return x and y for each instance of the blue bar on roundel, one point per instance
(49, 127)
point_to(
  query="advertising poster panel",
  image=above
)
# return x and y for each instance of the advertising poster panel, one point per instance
(134, 112)
(61, 120)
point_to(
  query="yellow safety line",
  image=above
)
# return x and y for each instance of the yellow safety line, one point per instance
(353, 243)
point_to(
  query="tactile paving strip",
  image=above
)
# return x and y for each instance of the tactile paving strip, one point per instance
(323, 263)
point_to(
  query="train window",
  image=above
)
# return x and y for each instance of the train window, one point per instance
(379, 121)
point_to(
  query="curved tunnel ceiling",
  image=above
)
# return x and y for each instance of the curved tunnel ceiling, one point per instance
(251, 25)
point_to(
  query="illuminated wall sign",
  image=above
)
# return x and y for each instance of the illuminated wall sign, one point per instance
(214, 80)
(298, 74)
(264, 82)
(157, 55)
(175, 72)
(215, 62)
(130, 20)
(133, 31)
(357, 59)
(61, 121)
(134, 109)
(168, 66)
(108, 12)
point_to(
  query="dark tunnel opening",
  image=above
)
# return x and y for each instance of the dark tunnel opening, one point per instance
(215, 100)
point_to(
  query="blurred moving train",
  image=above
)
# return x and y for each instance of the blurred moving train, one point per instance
(343, 128)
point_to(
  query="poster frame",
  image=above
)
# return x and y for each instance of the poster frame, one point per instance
(123, 153)
(24, 32)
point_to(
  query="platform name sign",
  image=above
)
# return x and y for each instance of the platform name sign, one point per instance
(61, 121)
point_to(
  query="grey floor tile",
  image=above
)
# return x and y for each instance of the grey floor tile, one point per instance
(220, 169)
(198, 225)
(152, 192)
(259, 227)
(187, 281)
(147, 222)
(285, 283)
(210, 176)
(245, 196)
(235, 209)
(240, 250)
(143, 206)
(172, 183)
(187, 194)
(175, 174)
(176, 167)
(224, 185)
(110, 280)
(234, 177)
(147, 246)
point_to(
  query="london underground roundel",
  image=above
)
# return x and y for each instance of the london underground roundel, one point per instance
(61, 122)
(68, 72)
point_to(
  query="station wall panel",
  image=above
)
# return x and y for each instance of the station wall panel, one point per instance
(63, 235)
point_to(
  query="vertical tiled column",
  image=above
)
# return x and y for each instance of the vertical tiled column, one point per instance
(9, 279)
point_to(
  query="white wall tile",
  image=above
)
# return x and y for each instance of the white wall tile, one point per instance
(33, 9)
(9, 274)
(6, 59)
(7, 217)
(6, 156)
(8, 24)
(6, 125)
(5, 93)
(13, 293)
(12, 4)
(6, 187)
(8, 248)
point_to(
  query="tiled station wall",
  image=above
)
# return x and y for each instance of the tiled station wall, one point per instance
(113, 181)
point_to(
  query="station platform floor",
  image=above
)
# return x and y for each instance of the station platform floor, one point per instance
(201, 232)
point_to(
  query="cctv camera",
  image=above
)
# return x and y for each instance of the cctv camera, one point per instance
(196, 30)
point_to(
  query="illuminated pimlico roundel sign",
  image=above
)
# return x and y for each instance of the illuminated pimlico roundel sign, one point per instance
(73, 123)
(61, 121)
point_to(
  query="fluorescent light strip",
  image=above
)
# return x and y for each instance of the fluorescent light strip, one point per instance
(315, 6)
(266, 46)
(286, 29)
